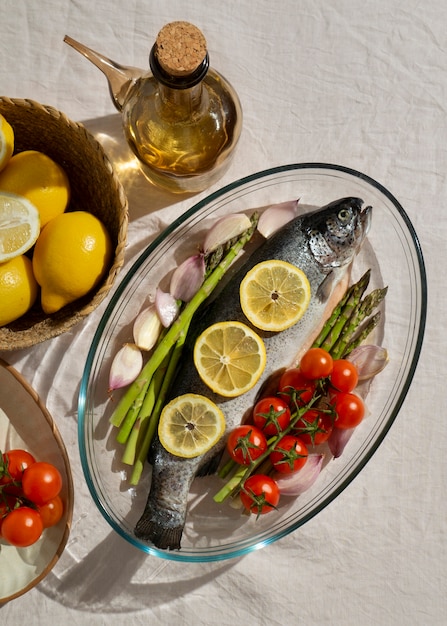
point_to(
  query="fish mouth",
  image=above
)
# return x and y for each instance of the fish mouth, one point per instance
(364, 215)
(365, 219)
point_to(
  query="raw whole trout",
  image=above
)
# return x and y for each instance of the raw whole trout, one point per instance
(323, 244)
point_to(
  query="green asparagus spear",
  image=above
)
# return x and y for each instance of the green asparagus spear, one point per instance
(362, 334)
(132, 433)
(363, 310)
(142, 382)
(355, 294)
(144, 442)
(330, 322)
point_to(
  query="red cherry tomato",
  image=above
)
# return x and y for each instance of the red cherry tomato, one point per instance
(22, 527)
(271, 415)
(41, 482)
(14, 464)
(246, 443)
(260, 494)
(295, 388)
(349, 409)
(51, 512)
(314, 427)
(344, 375)
(316, 363)
(289, 455)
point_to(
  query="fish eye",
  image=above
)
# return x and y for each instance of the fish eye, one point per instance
(344, 215)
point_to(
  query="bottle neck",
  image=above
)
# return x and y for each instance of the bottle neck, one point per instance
(174, 81)
(182, 95)
(182, 103)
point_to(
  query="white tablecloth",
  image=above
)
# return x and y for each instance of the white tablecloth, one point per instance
(357, 83)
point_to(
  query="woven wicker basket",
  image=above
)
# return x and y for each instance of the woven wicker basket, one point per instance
(94, 188)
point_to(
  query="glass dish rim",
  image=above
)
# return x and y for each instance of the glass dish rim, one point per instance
(215, 554)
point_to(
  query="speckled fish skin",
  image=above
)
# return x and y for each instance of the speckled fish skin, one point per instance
(323, 244)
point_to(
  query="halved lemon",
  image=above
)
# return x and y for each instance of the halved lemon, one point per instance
(274, 295)
(19, 225)
(190, 425)
(230, 358)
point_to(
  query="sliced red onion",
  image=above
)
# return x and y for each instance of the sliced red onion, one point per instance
(273, 218)
(167, 307)
(126, 366)
(369, 360)
(146, 328)
(188, 278)
(224, 229)
(297, 483)
(338, 440)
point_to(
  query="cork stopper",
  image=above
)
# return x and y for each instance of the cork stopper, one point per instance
(180, 48)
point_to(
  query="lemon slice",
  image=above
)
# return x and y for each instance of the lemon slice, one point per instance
(6, 142)
(229, 357)
(274, 295)
(19, 225)
(190, 425)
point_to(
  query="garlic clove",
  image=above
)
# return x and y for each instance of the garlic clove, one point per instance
(167, 307)
(126, 365)
(188, 278)
(224, 229)
(146, 328)
(276, 216)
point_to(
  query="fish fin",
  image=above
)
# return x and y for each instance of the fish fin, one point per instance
(325, 288)
(211, 466)
(162, 533)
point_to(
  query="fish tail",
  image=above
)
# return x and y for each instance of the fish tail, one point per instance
(159, 527)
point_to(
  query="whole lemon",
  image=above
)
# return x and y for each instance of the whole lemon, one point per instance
(6, 142)
(18, 288)
(71, 256)
(36, 176)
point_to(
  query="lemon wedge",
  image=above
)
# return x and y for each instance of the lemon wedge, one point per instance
(274, 295)
(190, 425)
(230, 358)
(19, 225)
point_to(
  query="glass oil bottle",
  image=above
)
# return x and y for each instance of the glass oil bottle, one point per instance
(182, 119)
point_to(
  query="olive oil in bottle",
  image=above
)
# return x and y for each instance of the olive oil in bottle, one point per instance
(182, 119)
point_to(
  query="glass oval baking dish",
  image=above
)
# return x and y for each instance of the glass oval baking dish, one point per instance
(392, 251)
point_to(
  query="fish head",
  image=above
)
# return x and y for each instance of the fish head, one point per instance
(336, 232)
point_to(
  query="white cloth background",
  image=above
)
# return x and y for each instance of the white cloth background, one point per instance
(358, 83)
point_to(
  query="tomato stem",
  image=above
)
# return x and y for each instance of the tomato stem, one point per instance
(233, 486)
